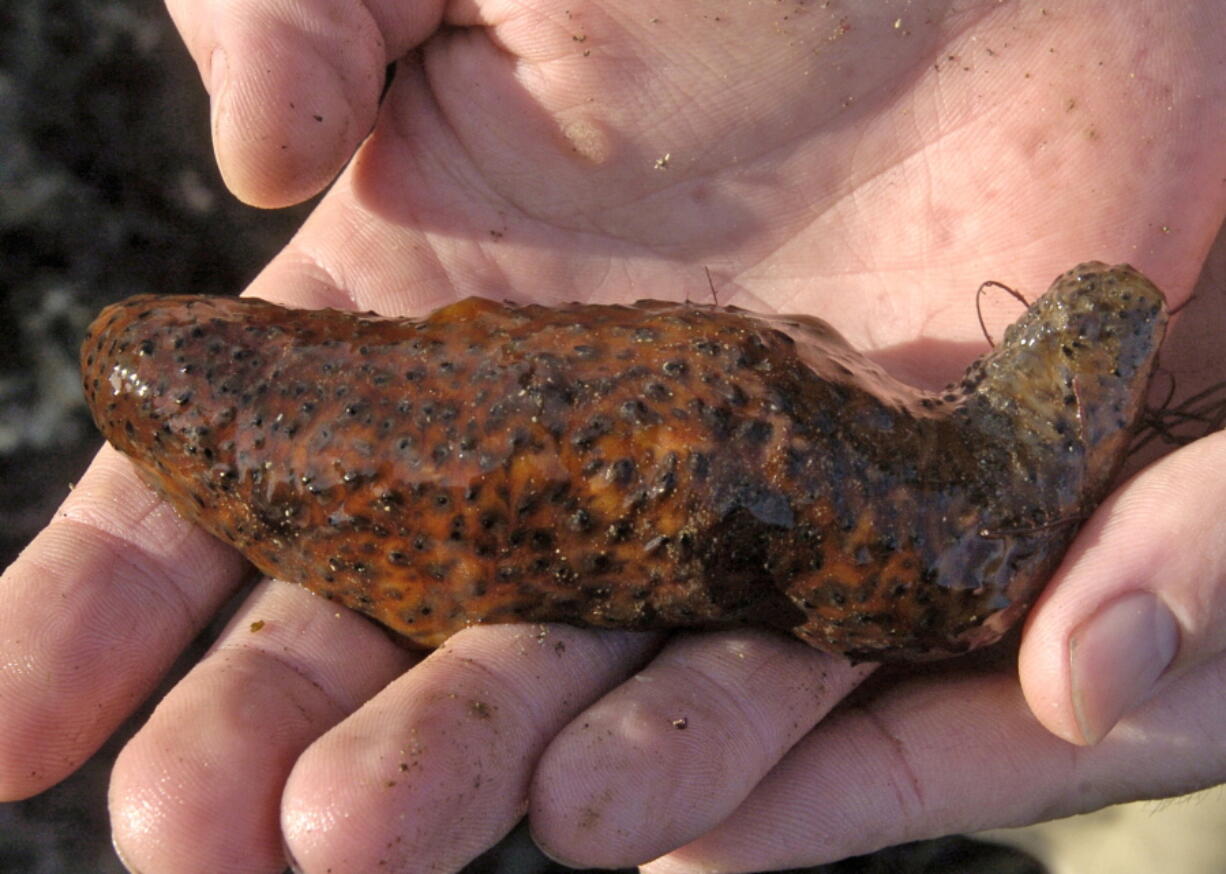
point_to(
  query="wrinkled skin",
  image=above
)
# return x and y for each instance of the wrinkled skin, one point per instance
(820, 160)
(655, 466)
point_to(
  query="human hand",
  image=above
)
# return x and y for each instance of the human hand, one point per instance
(819, 161)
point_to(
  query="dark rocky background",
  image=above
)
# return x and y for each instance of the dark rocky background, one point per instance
(108, 188)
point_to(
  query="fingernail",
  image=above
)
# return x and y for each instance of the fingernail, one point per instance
(552, 856)
(218, 69)
(291, 864)
(219, 72)
(1115, 658)
(119, 855)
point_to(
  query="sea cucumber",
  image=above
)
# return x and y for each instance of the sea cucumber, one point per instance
(659, 465)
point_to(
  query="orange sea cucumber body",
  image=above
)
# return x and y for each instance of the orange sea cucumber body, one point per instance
(648, 466)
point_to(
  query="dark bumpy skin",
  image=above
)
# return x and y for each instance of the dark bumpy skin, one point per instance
(649, 466)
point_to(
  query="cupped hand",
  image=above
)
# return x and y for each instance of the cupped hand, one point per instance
(870, 163)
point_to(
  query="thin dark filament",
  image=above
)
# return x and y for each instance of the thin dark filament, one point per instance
(997, 533)
(1176, 310)
(979, 306)
(1191, 419)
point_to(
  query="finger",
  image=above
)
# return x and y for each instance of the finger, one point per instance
(940, 757)
(670, 754)
(199, 786)
(92, 614)
(1140, 597)
(436, 768)
(294, 86)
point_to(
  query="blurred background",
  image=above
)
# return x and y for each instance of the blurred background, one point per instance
(107, 189)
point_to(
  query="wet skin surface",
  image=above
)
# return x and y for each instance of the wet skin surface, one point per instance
(649, 466)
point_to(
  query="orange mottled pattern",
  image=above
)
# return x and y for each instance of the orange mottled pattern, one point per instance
(648, 466)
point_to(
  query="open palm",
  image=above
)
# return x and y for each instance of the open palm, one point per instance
(869, 163)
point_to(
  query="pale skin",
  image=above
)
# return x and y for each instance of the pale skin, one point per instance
(870, 163)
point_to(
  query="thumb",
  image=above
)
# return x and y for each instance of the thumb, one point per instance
(294, 86)
(1140, 598)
